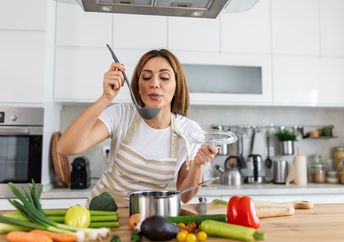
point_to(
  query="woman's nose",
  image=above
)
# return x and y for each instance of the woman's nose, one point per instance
(155, 82)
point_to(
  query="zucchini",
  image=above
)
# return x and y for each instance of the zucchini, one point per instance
(197, 218)
(231, 231)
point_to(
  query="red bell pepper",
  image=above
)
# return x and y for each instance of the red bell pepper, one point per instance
(242, 211)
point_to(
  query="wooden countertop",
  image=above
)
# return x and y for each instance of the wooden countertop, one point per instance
(323, 223)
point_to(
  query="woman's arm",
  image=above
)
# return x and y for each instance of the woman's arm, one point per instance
(195, 174)
(86, 130)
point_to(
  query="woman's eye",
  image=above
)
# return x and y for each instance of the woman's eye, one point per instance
(165, 78)
(146, 78)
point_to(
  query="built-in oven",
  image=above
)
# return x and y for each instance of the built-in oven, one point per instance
(21, 135)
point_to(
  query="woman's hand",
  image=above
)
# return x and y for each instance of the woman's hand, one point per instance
(205, 154)
(113, 80)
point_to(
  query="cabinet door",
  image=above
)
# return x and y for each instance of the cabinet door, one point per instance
(295, 27)
(79, 73)
(332, 27)
(247, 32)
(23, 15)
(22, 66)
(75, 27)
(296, 81)
(211, 62)
(191, 34)
(139, 31)
(331, 82)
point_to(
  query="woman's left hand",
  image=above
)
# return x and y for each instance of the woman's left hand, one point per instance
(205, 154)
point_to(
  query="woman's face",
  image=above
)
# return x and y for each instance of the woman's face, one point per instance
(157, 83)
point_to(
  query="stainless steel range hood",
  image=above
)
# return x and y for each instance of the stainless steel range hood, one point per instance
(182, 8)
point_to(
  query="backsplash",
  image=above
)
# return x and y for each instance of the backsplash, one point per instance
(248, 116)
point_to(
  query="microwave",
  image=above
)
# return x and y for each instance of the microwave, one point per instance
(21, 136)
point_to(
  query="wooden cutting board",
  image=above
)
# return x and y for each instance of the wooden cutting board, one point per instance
(60, 162)
(264, 209)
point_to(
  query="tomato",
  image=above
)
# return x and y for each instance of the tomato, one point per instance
(202, 236)
(181, 236)
(181, 225)
(191, 238)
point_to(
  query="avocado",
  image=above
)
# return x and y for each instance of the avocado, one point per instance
(157, 228)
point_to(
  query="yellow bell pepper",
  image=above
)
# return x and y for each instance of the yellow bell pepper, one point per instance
(78, 216)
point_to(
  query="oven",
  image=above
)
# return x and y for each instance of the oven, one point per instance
(21, 135)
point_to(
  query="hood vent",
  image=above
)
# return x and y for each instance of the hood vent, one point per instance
(181, 8)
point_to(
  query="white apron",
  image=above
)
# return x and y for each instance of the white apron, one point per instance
(132, 171)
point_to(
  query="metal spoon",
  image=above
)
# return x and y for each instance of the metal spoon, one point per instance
(145, 113)
(199, 184)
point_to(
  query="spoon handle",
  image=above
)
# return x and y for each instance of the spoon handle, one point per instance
(125, 76)
(199, 184)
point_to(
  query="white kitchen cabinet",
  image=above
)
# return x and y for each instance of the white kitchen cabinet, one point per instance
(331, 85)
(75, 27)
(296, 81)
(23, 15)
(308, 81)
(247, 32)
(332, 27)
(192, 34)
(79, 72)
(295, 27)
(210, 61)
(139, 31)
(22, 67)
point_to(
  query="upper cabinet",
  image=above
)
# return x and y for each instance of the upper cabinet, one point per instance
(23, 51)
(74, 27)
(23, 15)
(139, 31)
(191, 34)
(247, 32)
(332, 27)
(295, 27)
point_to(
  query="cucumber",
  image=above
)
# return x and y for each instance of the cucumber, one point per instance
(197, 218)
(231, 231)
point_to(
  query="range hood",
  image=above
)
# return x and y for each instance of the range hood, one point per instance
(181, 8)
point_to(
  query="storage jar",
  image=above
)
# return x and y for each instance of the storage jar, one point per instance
(318, 173)
(338, 158)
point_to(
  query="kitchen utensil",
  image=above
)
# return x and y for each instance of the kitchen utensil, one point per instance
(264, 209)
(60, 162)
(145, 113)
(240, 147)
(201, 207)
(268, 161)
(280, 168)
(255, 169)
(212, 137)
(230, 176)
(163, 203)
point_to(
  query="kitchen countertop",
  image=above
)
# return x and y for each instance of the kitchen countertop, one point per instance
(325, 222)
(217, 190)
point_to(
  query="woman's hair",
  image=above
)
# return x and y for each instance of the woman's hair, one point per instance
(180, 101)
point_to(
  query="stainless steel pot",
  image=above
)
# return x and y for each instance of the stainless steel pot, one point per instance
(163, 203)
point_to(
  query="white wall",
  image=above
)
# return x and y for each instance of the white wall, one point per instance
(206, 116)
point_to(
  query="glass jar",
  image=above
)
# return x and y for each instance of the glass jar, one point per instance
(332, 177)
(318, 173)
(338, 158)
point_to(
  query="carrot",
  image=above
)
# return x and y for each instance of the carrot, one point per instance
(56, 237)
(19, 236)
(134, 220)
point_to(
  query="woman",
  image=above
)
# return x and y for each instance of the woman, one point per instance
(145, 154)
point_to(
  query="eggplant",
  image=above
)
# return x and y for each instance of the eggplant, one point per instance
(157, 228)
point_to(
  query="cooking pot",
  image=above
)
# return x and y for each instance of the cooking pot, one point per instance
(163, 203)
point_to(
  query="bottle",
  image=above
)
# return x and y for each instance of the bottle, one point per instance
(318, 173)
(338, 156)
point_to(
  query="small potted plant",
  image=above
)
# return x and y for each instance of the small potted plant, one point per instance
(287, 139)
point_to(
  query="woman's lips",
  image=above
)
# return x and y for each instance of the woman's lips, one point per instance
(155, 96)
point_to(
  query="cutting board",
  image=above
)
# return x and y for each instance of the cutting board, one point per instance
(60, 162)
(264, 209)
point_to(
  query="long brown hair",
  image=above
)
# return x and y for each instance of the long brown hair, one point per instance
(180, 101)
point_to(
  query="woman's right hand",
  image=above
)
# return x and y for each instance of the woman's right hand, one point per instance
(113, 80)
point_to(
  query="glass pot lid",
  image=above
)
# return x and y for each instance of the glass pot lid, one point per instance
(212, 137)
